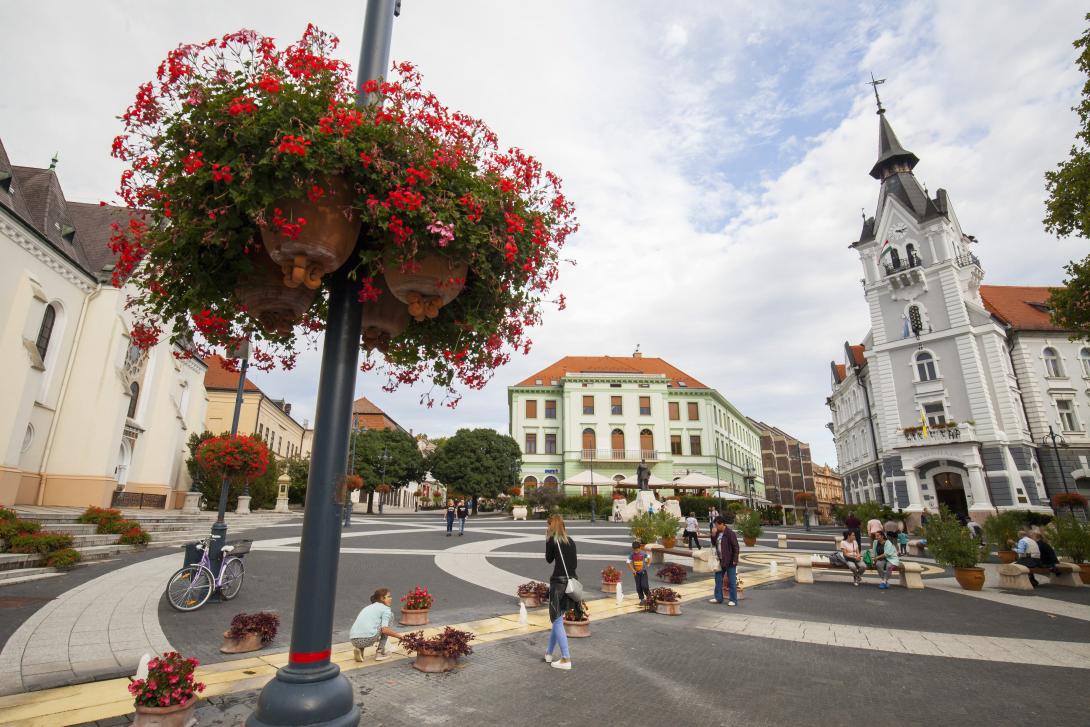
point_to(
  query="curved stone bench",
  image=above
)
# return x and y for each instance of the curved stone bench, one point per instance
(1015, 577)
(911, 573)
(916, 548)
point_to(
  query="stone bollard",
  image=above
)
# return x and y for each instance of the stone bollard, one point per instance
(192, 504)
(781, 541)
(282, 494)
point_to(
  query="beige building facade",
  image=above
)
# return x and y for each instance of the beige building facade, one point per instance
(829, 488)
(85, 417)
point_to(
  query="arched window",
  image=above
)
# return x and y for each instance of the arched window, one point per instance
(552, 482)
(134, 397)
(894, 258)
(1052, 362)
(925, 366)
(910, 252)
(45, 330)
(647, 444)
(590, 441)
(529, 483)
(616, 442)
(1084, 358)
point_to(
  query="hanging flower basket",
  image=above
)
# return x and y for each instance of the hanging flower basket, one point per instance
(235, 456)
(237, 134)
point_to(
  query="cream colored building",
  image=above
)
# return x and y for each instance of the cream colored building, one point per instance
(85, 418)
(268, 418)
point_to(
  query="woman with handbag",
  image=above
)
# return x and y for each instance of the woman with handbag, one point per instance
(565, 591)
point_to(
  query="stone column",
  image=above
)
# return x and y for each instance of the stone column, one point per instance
(282, 494)
(978, 491)
(192, 503)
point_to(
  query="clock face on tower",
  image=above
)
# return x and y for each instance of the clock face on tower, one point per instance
(898, 233)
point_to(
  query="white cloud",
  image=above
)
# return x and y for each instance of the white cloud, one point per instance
(717, 154)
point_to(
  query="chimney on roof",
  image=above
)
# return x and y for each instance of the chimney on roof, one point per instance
(287, 408)
(636, 353)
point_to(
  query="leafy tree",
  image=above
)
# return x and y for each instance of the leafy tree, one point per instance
(298, 474)
(1067, 210)
(403, 461)
(477, 463)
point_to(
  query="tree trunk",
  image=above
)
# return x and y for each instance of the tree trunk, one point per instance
(370, 502)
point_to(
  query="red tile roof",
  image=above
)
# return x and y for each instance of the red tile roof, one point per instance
(1014, 306)
(612, 365)
(366, 414)
(218, 378)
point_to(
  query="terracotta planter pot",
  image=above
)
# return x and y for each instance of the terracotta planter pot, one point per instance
(668, 608)
(1006, 556)
(248, 642)
(750, 542)
(971, 579)
(609, 587)
(668, 542)
(436, 281)
(177, 715)
(1084, 568)
(324, 242)
(577, 629)
(413, 617)
(431, 663)
(383, 319)
(530, 601)
(266, 298)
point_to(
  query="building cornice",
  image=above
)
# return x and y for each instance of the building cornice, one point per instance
(16, 230)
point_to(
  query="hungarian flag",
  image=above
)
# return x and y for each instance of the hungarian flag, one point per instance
(887, 249)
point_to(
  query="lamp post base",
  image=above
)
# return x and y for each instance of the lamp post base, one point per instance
(306, 697)
(243, 507)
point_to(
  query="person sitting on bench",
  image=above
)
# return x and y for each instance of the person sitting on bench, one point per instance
(885, 558)
(1048, 554)
(849, 557)
(1029, 554)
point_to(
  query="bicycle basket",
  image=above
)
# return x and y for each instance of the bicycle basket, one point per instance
(192, 553)
(242, 547)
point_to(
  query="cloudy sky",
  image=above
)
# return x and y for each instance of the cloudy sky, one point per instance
(717, 153)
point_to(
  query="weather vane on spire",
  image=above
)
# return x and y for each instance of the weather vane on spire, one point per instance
(876, 83)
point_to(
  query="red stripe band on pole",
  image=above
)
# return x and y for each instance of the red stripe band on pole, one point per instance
(308, 657)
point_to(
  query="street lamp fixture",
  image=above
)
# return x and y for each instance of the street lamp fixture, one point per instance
(1057, 442)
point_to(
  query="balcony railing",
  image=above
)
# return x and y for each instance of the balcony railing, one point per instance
(913, 261)
(967, 259)
(618, 455)
(913, 436)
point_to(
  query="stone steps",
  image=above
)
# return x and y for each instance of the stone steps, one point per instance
(15, 574)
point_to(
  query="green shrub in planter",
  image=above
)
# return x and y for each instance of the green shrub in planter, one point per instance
(951, 543)
(43, 543)
(1001, 528)
(1070, 537)
(643, 528)
(10, 528)
(749, 524)
(63, 559)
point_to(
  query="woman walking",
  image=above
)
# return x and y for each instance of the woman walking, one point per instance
(560, 551)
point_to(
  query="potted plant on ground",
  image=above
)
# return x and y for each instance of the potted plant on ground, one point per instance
(250, 174)
(749, 525)
(610, 578)
(438, 653)
(518, 508)
(415, 607)
(577, 622)
(1001, 529)
(168, 695)
(952, 544)
(642, 527)
(250, 632)
(665, 601)
(1071, 539)
(533, 593)
(666, 526)
(673, 573)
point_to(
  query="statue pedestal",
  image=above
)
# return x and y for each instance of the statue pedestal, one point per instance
(673, 507)
(645, 499)
(192, 504)
(243, 505)
(281, 504)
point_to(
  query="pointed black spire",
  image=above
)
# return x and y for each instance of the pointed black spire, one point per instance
(892, 157)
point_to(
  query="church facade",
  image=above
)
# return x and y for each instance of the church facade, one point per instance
(948, 398)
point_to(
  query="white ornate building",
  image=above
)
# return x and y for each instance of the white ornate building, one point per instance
(981, 366)
(85, 418)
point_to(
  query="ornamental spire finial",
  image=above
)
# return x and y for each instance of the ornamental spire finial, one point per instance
(876, 83)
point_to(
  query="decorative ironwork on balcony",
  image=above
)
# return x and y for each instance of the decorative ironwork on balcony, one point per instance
(902, 273)
(967, 259)
(618, 455)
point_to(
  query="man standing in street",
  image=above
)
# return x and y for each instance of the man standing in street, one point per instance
(463, 513)
(726, 548)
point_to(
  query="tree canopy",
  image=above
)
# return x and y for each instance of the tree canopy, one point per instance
(404, 463)
(1067, 210)
(477, 462)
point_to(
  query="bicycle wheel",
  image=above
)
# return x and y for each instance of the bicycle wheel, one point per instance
(231, 582)
(190, 588)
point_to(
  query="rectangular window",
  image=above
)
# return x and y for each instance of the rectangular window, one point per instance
(588, 404)
(675, 444)
(550, 408)
(550, 444)
(615, 405)
(531, 409)
(694, 411)
(645, 406)
(1068, 421)
(694, 445)
(675, 411)
(531, 444)
(936, 414)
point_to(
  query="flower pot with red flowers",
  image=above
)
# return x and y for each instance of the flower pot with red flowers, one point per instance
(610, 578)
(532, 594)
(250, 632)
(665, 601)
(1070, 500)
(415, 606)
(234, 456)
(577, 622)
(167, 697)
(438, 653)
(237, 135)
(673, 573)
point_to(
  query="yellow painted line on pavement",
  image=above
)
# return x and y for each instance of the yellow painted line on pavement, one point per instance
(101, 700)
